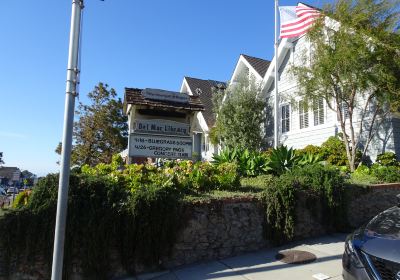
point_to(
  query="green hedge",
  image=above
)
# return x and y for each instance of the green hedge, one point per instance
(101, 215)
(323, 185)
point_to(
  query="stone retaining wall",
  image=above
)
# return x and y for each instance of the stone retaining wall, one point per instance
(366, 203)
(222, 228)
(219, 229)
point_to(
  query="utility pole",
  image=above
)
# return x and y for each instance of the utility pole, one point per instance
(71, 93)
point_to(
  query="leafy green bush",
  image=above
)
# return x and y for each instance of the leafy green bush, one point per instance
(279, 202)
(387, 159)
(363, 176)
(321, 183)
(227, 177)
(185, 176)
(309, 149)
(21, 199)
(148, 225)
(386, 174)
(333, 151)
(102, 215)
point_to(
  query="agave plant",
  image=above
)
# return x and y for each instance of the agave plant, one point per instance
(226, 155)
(257, 164)
(283, 159)
(249, 163)
(309, 158)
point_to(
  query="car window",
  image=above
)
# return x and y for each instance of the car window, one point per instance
(386, 224)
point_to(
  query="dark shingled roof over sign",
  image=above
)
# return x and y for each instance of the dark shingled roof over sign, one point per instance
(7, 172)
(204, 88)
(259, 64)
(134, 96)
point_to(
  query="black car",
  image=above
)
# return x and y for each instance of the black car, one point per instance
(373, 251)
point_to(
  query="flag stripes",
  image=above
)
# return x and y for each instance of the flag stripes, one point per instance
(295, 26)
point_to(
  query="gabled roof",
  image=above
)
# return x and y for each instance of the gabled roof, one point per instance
(134, 96)
(258, 64)
(204, 89)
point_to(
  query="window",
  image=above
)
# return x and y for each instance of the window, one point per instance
(303, 114)
(204, 142)
(285, 115)
(318, 108)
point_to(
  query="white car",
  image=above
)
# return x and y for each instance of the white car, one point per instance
(12, 190)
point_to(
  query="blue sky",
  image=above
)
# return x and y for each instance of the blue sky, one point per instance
(126, 43)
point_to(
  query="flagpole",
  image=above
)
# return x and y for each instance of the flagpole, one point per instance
(71, 93)
(276, 105)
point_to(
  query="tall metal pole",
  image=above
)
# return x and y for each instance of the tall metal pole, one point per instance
(276, 99)
(71, 93)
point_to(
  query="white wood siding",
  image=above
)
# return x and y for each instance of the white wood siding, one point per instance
(288, 92)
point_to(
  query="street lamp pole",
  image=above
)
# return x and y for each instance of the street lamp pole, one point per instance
(71, 93)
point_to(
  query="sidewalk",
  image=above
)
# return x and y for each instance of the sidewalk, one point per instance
(263, 265)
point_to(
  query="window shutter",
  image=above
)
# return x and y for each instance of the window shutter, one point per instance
(303, 114)
(285, 116)
(319, 114)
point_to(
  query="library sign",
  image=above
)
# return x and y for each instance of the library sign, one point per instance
(161, 139)
(161, 127)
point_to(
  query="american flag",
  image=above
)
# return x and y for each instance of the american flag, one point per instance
(296, 20)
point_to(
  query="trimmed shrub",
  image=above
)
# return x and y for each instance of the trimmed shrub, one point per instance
(333, 151)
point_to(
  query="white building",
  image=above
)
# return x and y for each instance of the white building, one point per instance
(298, 127)
(206, 118)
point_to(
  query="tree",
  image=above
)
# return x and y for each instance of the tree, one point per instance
(28, 177)
(1, 158)
(240, 116)
(101, 129)
(354, 67)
